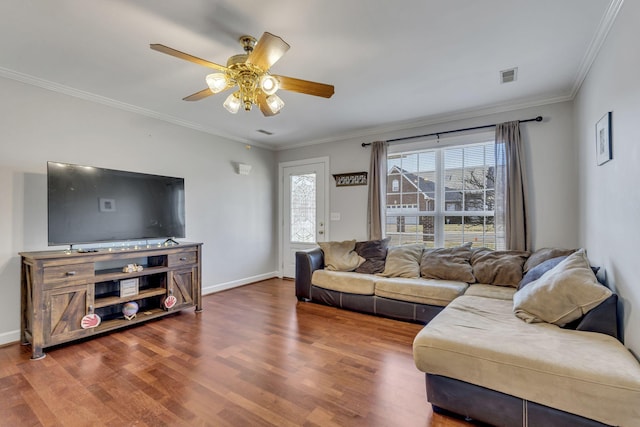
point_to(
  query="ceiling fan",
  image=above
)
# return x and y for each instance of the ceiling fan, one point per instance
(249, 72)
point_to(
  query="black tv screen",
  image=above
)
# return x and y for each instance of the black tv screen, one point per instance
(89, 204)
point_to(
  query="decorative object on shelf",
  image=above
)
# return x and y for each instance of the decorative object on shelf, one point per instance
(130, 309)
(350, 179)
(129, 287)
(170, 301)
(90, 320)
(249, 73)
(132, 268)
(603, 139)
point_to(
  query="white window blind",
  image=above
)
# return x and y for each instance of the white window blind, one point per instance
(443, 196)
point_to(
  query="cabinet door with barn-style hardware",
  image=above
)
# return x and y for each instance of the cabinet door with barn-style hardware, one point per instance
(64, 311)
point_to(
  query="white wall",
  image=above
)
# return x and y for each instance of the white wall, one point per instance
(233, 215)
(551, 165)
(609, 201)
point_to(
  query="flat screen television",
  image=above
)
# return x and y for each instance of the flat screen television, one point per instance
(87, 204)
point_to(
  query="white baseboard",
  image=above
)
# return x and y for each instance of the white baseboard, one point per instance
(236, 283)
(9, 337)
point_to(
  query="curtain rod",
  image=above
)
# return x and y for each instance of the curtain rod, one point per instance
(536, 119)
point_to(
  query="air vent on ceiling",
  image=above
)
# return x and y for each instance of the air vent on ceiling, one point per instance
(266, 132)
(508, 76)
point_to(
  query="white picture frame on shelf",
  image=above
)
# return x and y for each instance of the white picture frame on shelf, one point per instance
(603, 139)
(129, 287)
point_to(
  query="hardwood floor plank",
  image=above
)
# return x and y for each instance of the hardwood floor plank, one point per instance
(254, 357)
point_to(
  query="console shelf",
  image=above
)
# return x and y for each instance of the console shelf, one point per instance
(118, 274)
(107, 301)
(61, 288)
(114, 324)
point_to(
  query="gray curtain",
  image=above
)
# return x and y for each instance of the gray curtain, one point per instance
(511, 188)
(377, 190)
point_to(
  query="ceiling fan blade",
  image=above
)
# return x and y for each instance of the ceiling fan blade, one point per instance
(173, 52)
(305, 86)
(264, 107)
(198, 95)
(268, 50)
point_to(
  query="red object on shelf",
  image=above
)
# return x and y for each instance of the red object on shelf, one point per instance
(90, 321)
(170, 302)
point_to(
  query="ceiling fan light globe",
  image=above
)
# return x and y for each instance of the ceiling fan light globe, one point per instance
(232, 103)
(217, 82)
(269, 84)
(275, 103)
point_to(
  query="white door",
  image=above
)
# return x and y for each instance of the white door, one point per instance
(303, 209)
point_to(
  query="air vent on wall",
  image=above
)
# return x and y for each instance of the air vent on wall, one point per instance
(508, 76)
(266, 132)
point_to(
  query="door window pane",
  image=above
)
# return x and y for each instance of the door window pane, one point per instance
(303, 208)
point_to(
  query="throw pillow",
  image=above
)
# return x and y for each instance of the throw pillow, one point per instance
(502, 268)
(561, 295)
(403, 261)
(374, 252)
(447, 264)
(541, 255)
(536, 272)
(340, 256)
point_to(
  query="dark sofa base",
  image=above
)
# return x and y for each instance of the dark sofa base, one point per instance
(477, 403)
(371, 304)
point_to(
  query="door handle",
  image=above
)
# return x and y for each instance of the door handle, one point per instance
(320, 232)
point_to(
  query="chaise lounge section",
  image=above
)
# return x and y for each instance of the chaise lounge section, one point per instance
(484, 363)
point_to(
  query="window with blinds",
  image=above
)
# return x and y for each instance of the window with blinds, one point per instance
(443, 197)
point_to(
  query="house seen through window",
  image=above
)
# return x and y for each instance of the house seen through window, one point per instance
(443, 197)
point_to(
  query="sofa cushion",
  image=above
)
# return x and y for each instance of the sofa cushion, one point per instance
(561, 295)
(491, 291)
(344, 281)
(541, 255)
(422, 291)
(502, 268)
(447, 264)
(374, 252)
(403, 261)
(536, 272)
(340, 256)
(480, 341)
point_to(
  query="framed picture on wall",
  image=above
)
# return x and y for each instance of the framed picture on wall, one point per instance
(603, 139)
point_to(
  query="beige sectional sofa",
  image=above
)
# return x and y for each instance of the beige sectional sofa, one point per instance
(546, 354)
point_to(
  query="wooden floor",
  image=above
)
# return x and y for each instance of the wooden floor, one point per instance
(254, 357)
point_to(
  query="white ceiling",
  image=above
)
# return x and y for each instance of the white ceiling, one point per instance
(393, 63)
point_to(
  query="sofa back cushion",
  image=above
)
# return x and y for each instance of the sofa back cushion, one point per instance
(447, 264)
(502, 268)
(536, 272)
(544, 254)
(374, 252)
(340, 256)
(403, 261)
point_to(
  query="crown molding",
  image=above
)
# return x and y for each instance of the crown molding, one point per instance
(88, 96)
(391, 130)
(606, 23)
